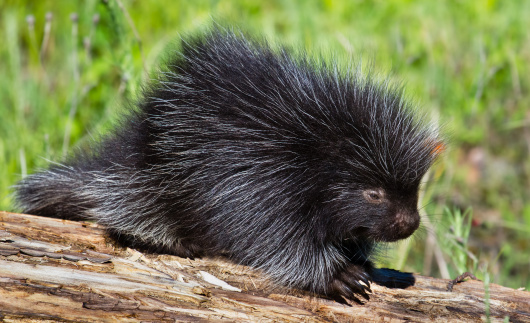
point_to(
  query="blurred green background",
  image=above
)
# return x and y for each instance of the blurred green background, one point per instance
(69, 67)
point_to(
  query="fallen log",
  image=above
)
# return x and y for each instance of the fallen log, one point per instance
(61, 270)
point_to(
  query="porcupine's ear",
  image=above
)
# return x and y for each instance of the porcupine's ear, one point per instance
(434, 147)
(438, 147)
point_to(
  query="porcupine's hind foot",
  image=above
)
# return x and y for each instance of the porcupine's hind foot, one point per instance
(353, 280)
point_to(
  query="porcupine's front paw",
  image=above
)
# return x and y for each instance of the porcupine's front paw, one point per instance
(353, 280)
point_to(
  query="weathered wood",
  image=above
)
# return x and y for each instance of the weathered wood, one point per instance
(62, 270)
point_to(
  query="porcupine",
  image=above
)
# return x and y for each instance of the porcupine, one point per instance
(276, 160)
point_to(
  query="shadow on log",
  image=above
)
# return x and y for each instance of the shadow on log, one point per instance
(63, 270)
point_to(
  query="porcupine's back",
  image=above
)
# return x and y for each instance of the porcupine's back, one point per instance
(248, 147)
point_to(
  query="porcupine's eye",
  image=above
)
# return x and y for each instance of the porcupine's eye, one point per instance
(374, 196)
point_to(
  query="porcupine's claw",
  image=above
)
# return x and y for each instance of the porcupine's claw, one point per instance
(354, 280)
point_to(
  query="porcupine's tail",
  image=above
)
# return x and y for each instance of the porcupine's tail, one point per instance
(87, 181)
(59, 192)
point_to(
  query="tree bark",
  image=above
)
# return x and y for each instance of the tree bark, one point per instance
(63, 270)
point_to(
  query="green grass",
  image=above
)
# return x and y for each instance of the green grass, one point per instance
(465, 62)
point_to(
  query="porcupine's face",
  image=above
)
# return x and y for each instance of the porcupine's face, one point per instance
(392, 215)
(375, 213)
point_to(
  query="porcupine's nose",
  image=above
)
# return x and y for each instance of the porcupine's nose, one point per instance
(406, 223)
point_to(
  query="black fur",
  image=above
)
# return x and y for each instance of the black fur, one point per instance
(285, 164)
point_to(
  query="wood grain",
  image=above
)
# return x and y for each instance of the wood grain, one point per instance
(62, 270)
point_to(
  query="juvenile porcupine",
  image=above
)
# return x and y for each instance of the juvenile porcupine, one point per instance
(284, 164)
